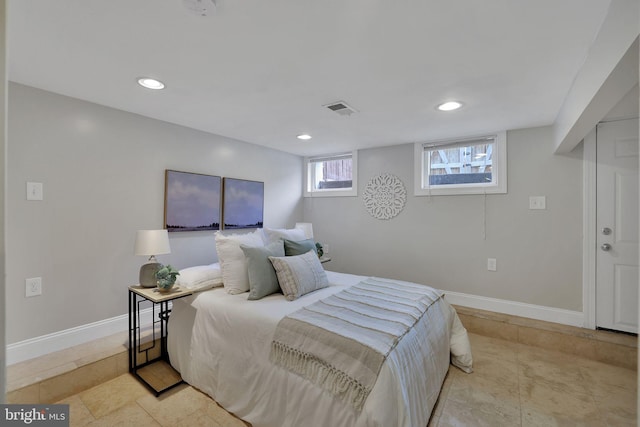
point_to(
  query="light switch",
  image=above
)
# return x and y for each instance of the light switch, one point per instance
(492, 264)
(34, 191)
(537, 202)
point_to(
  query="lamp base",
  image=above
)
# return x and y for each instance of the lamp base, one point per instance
(148, 274)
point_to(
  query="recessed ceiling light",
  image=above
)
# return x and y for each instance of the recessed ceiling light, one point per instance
(150, 83)
(449, 106)
(304, 137)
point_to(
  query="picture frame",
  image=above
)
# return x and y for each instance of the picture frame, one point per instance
(243, 203)
(192, 201)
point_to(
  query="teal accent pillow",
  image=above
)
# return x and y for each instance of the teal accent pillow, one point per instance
(300, 247)
(262, 277)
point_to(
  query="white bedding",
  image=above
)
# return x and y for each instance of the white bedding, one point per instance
(220, 343)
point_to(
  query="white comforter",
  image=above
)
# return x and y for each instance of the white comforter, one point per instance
(220, 344)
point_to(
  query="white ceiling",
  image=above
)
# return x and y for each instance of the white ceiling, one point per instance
(260, 71)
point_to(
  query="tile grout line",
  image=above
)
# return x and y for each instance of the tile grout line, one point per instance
(518, 349)
(446, 397)
(590, 392)
(147, 412)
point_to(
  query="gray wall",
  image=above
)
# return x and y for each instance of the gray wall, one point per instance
(3, 146)
(103, 176)
(439, 240)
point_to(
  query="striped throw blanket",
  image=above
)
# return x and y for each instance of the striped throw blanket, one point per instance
(340, 342)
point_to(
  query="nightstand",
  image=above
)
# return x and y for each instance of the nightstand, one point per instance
(149, 361)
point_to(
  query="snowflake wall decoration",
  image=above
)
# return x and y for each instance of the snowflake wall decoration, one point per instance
(384, 196)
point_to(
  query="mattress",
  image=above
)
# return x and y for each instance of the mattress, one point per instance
(220, 344)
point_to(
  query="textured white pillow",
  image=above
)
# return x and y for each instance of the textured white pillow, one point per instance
(232, 260)
(299, 274)
(459, 343)
(200, 277)
(273, 234)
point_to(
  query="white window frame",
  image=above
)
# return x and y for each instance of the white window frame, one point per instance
(331, 192)
(498, 184)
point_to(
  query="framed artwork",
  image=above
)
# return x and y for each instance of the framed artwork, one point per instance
(243, 203)
(191, 201)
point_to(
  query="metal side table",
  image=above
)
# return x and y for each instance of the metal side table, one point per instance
(149, 360)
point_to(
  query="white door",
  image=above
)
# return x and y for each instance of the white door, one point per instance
(617, 222)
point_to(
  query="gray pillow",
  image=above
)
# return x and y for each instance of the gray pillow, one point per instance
(292, 248)
(300, 274)
(262, 277)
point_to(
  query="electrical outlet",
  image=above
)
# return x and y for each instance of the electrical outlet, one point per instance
(325, 248)
(537, 202)
(491, 264)
(35, 191)
(33, 286)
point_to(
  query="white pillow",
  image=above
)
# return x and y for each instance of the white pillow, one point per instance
(200, 277)
(273, 234)
(232, 260)
(459, 343)
(299, 274)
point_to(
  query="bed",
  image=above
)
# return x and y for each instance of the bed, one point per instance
(220, 343)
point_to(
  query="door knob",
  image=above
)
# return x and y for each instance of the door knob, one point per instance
(605, 247)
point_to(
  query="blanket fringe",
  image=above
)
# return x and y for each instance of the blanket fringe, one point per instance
(320, 373)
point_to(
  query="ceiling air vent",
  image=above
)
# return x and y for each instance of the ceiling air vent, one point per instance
(200, 7)
(341, 108)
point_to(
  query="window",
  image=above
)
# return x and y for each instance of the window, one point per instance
(464, 166)
(334, 175)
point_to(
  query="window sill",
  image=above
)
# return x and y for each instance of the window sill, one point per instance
(331, 193)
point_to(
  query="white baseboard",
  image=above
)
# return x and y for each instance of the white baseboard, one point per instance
(45, 344)
(514, 308)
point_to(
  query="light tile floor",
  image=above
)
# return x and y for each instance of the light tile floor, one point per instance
(513, 385)
(519, 385)
(124, 401)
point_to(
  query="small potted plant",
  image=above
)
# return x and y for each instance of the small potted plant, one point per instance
(166, 277)
(319, 249)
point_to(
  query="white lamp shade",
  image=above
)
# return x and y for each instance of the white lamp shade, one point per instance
(152, 242)
(307, 227)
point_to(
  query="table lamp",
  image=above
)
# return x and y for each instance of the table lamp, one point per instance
(151, 243)
(307, 227)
